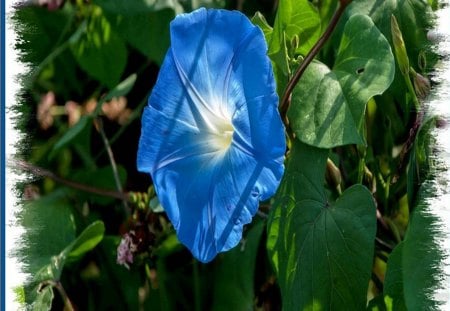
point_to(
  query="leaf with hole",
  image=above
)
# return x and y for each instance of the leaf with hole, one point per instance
(328, 106)
(408, 13)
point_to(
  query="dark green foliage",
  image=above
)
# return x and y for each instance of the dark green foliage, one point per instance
(350, 227)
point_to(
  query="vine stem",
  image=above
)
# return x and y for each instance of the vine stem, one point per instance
(39, 171)
(99, 124)
(286, 99)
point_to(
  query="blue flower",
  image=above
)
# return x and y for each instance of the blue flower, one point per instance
(212, 138)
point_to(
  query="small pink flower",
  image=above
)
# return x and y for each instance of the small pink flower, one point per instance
(125, 250)
(51, 4)
(44, 115)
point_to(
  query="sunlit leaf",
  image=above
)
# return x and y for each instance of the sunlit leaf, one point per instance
(322, 250)
(87, 240)
(408, 13)
(328, 106)
(121, 89)
(259, 20)
(295, 18)
(100, 52)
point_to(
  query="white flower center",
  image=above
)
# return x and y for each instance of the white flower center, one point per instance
(223, 135)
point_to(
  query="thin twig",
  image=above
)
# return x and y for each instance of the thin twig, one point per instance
(286, 99)
(39, 171)
(99, 124)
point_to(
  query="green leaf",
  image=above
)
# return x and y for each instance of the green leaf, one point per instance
(414, 268)
(87, 240)
(381, 303)
(322, 250)
(49, 228)
(127, 8)
(44, 298)
(152, 39)
(121, 89)
(328, 106)
(151, 17)
(40, 30)
(79, 130)
(235, 273)
(295, 18)
(100, 52)
(408, 13)
(259, 20)
(49, 239)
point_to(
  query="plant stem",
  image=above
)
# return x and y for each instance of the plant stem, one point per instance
(46, 173)
(412, 92)
(285, 101)
(62, 292)
(64, 296)
(134, 115)
(99, 124)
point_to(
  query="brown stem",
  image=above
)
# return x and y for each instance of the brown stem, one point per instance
(46, 173)
(285, 101)
(56, 284)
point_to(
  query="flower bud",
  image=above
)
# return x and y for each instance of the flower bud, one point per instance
(295, 42)
(422, 61)
(421, 85)
(399, 47)
(333, 174)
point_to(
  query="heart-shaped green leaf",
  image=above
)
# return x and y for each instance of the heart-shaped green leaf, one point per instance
(321, 250)
(328, 106)
(408, 13)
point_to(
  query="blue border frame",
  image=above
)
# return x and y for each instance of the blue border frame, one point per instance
(2, 157)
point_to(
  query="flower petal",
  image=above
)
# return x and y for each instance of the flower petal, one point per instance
(165, 140)
(212, 137)
(209, 199)
(258, 128)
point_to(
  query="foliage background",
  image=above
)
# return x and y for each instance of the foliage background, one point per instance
(93, 67)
